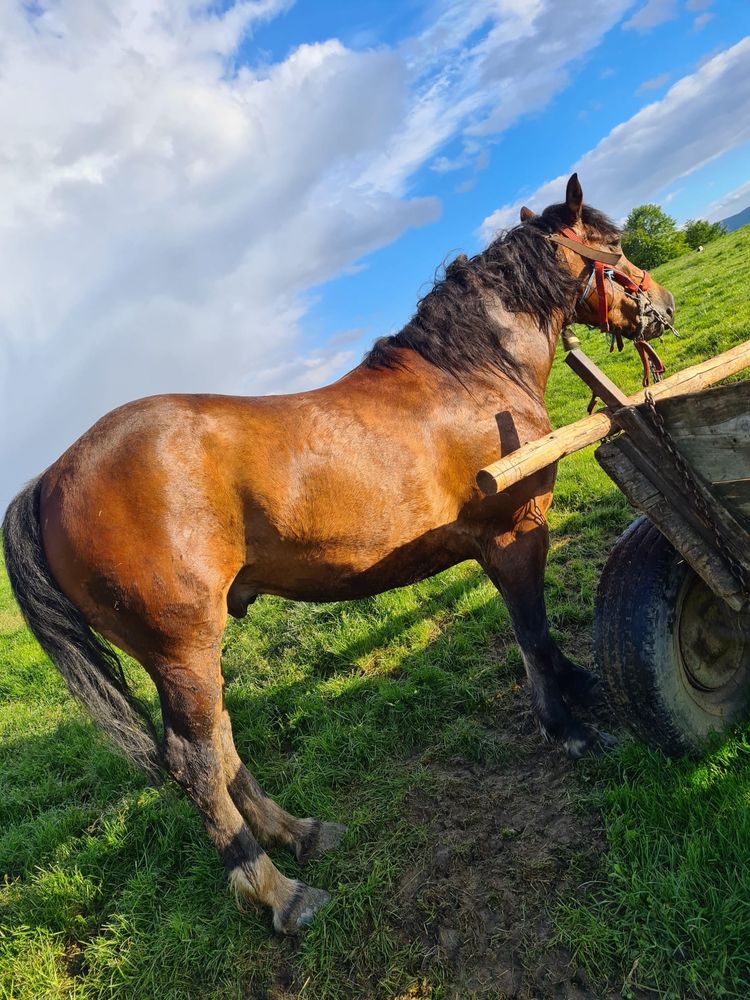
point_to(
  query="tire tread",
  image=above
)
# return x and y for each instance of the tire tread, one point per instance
(629, 595)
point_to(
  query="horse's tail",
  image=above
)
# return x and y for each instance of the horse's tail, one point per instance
(90, 666)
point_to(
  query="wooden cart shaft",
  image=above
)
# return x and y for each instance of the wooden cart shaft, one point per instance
(536, 455)
(691, 477)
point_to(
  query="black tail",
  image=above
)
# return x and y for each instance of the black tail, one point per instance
(89, 665)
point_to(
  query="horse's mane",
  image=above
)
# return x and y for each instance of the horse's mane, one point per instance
(452, 328)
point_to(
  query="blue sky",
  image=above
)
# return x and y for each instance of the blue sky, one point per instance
(240, 196)
(627, 70)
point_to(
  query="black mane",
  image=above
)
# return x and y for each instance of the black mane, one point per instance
(451, 327)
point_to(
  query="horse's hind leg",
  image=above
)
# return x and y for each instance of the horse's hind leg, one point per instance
(269, 822)
(190, 689)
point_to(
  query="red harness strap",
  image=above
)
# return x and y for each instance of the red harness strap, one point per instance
(600, 269)
(627, 282)
(652, 363)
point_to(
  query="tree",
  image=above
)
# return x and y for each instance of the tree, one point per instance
(698, 232)
(651, 237)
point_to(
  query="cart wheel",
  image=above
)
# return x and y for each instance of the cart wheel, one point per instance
(675, 659)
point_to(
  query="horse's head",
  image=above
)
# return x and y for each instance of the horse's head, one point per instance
(613, 293)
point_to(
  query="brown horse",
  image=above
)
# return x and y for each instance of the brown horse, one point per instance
(173, 511)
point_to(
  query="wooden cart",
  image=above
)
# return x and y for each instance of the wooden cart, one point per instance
(672, 614)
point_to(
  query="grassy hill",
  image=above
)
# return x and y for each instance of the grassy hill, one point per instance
(477, 862)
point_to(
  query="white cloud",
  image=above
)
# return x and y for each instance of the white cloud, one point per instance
(655, 83)
(652, 14)
(660, 144)
(166, 210)
(701, 21)
(730, 204)
(526, 58)
(161, 220)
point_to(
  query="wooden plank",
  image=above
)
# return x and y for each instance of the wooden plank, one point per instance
(530, 458)
(684, 536)
(712, 406)
(648, 453)
(712, 431)
(736, 499)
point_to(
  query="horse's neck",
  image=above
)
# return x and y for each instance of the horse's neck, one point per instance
(532, 349)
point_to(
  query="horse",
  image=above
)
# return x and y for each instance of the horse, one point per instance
(174, 511)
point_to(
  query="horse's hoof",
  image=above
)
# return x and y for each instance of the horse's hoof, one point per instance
(321, 837)
(606, 741)
(586, 739)
(301, 910)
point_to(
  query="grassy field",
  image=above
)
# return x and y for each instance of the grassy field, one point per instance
(357, 712)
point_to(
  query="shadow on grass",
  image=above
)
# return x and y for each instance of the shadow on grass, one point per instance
(125, 875)
(352, 721)
(378, 632)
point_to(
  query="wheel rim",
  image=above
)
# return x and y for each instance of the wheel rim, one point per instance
(714, 648)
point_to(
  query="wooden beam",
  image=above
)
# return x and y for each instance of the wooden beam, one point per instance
(536, 455)
(600, 384)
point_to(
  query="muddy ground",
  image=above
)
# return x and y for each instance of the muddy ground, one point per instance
(507, 840)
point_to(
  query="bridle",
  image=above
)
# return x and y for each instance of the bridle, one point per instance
(604, 269)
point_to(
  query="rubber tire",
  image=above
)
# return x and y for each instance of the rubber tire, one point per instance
(636, 647)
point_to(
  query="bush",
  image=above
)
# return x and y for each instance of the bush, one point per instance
(651, 237)
(698, 232)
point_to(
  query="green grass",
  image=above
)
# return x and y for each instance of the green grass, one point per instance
(672, 908)
(670, 912)
(112, 890)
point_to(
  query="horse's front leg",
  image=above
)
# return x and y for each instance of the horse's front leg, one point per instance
(515, 562)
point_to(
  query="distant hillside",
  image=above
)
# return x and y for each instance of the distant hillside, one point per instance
(736, 221)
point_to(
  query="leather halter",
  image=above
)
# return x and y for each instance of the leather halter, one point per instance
(568, 238)
(604, 262)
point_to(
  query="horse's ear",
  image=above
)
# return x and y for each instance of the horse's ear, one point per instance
(574, 198)
(526, 214)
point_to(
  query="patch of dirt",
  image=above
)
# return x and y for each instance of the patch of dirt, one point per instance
(506, 842)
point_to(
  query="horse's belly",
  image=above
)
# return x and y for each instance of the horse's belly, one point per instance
(303, 574)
